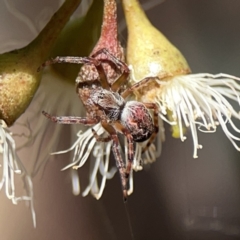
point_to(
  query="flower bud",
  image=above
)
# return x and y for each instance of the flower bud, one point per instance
(19, 78)
(148, 50)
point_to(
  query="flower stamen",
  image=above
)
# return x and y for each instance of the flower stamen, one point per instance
(201, 100)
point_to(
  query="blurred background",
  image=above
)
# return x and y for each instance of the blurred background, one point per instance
(177, 197)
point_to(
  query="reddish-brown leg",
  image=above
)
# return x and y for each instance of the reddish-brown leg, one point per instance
(119, 64)
(80, 60)
(71, 119)
(117, 154)
(99, 138)
(137, 85)
(69, 59)
(130, 148)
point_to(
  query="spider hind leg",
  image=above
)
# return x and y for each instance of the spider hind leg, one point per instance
(118, 157)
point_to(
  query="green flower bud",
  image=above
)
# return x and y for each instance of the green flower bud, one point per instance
(148, 50)
(19, 78)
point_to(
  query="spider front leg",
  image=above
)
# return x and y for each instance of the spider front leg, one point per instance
(80, 60)
(70, 119)
(119, 64)
(137, 85)
(69, 59)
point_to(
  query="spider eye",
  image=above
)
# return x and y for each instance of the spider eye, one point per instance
(137, 119)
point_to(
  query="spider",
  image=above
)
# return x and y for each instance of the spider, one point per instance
(105, 103)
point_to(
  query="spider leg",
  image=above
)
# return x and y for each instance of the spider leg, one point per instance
(70, 119)
(120, 81)
(101, 139)
(154, 107)
(118, 158)
(119, 64)
(69, 59)
(80, 60)
(137, 85)
(130, 148)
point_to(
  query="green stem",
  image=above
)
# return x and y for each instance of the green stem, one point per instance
(48, 36)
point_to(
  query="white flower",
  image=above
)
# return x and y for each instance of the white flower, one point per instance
(200, 102)
(195, 101)
(11, 166)
(86, 144)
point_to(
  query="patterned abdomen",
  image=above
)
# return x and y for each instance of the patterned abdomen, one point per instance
(137, 119)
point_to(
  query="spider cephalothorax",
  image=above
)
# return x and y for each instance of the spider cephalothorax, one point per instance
(110, 102)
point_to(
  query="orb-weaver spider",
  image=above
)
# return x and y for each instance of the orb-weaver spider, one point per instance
(105, 103)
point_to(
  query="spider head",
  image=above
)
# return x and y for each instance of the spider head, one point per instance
(137, 119)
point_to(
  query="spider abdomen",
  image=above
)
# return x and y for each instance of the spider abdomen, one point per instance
(137, 119)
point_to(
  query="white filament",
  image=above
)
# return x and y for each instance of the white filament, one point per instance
(200, 101)
(11, 166)
(85, 145)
